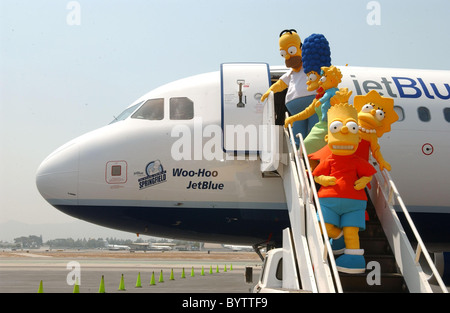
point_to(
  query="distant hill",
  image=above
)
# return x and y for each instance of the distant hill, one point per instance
(77, 229)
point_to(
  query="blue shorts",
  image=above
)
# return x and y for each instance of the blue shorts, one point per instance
(343, 212)
(304, 126)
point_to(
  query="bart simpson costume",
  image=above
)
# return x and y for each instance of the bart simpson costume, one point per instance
(343, 176)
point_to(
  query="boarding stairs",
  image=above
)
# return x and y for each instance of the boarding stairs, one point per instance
(308, 263)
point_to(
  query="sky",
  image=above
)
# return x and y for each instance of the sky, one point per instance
(69, 67)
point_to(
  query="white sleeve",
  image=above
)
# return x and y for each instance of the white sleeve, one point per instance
(286, 77)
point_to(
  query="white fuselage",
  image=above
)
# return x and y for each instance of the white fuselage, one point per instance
(129, 175)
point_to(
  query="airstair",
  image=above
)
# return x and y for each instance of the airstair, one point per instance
(308, 264)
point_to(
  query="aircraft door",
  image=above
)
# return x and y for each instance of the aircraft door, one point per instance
(242, 85)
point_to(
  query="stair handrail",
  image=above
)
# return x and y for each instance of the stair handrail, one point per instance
(311, 193)
(391, 193)
(304, 191)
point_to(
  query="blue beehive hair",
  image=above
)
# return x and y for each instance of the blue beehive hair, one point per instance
(315, 53)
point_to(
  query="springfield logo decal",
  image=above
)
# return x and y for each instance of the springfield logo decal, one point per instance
(155, 175)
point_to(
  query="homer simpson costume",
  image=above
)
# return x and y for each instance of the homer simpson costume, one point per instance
(343, 177)
(298, 97)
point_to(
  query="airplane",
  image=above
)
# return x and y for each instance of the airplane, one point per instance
(161, 246)
(116, 247)
(144, 246)
(238, 248)
(138, 246)
(169, 166)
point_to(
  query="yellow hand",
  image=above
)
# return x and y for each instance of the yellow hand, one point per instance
(325, 180)
(384, 165)
(276, 87)
(264, 96)
(289, 121)
(362, 182)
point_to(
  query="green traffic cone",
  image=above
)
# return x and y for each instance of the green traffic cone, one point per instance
(171, 275)
(101, 289)
(138, 281)
(152, 280)
(183, 275)
(225, 268)
(210, 269)
(122, 284)
(161, 279)
(76, 287)
(231, 267)
(192, 272)
(217, 269)
(203, 272)
(41, 287)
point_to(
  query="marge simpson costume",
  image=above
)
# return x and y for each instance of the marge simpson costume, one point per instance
(343, 176)
(316, 54)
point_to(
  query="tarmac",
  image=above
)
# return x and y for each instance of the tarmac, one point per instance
(125, 272)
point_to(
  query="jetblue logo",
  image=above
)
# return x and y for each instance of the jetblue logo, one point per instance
(200, 173)
(406, 87)
(155, 175)
(199, 184)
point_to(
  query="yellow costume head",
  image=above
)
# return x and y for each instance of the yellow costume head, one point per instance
(291, 48)
(331, 77)
(343, 137)
(375, 113)
(313, 81)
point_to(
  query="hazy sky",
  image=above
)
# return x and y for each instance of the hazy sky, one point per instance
(58, 80)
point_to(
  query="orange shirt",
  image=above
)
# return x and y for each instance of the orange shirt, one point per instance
(347, 170)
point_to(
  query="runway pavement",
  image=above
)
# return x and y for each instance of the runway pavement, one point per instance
(21, 272)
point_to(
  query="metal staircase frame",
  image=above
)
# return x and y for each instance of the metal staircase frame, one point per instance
(384, 194)
(308, 260)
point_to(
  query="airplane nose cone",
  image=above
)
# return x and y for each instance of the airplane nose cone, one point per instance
(57, 176)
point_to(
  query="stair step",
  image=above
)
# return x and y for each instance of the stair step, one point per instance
(388, 282)
(373, 229)
(386, 263)
(375, 245)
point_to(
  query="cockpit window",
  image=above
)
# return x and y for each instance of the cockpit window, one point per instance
(126, 113)
(152, 109)
(181, 108)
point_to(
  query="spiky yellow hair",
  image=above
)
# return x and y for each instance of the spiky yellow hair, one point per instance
(332, 70)
(342, 110)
